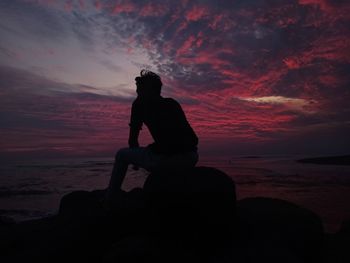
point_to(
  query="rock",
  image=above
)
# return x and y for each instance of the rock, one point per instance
(194, 205)
(81, 204)
(149, 249)
(134, 249)
(279, 230)
(179, 215)
(339, 245)
(6, 221)
(344, 230)
(343, 242)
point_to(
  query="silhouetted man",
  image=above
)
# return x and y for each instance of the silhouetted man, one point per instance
(175, 142)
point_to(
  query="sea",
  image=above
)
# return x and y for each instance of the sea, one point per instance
(33, 189)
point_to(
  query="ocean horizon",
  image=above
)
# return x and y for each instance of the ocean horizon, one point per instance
(31, 189)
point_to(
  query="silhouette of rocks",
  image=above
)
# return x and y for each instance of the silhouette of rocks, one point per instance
(338, 244)
(277, 228)
(80, 204)
(197, 205)
(179, 215)
(187, 212)
(5, 221)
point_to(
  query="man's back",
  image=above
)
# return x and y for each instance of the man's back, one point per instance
(167, 124)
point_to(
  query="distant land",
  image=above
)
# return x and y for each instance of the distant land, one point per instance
(335, 160)
(250, 157)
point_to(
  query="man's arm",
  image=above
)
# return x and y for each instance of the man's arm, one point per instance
(133, 137)
(135, 125)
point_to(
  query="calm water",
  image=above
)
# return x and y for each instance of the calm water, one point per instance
(33, 189)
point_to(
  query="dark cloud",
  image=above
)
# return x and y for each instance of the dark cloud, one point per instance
(28, 19)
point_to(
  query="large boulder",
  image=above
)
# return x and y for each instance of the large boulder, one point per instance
(338, 245)
(279, 231)
(81, 204)
(195, 205)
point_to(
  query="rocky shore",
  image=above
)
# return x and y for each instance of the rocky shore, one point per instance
(178, 216)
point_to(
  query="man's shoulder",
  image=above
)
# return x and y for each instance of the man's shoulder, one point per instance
(170, 101)
(137, 103)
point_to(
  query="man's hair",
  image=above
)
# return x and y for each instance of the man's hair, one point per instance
(150, 80)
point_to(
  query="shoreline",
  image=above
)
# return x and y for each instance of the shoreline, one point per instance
(327, 160)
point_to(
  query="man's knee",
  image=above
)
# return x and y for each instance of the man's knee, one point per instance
(120, 155)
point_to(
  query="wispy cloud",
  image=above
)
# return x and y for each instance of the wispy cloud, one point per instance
(73, 116)
(292, 103)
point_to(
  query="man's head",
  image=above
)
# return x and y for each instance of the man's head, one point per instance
(148, 84)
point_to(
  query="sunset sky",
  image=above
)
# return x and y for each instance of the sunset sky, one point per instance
(254, 77)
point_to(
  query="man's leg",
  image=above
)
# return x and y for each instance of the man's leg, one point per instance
(178, 161)
(143, 157)
(139, 156)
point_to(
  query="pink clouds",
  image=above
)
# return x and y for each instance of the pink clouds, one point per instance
(221, 21)
(98, 4)
(186, 46)
(332, 48)
(124, 7)
(152, 9)
(220, 115)
(323, 4)
(144, 10)
(196, 13)
(253, 71)
(68, 6)
(192, 41)
(199, 57)
(292, 63)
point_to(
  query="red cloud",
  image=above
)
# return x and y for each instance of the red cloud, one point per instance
(217, 59)
(187, 45)
(226, 24)
(124, 7)
(196, 13)
(152, 9)
(68, 6)
(98, 5)
(201, 57)
(292, 63)
(323, 4)
(330, 48)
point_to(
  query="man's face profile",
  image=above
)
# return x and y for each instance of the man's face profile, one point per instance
(141, 89)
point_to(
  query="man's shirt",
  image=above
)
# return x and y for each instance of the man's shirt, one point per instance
(167, 124)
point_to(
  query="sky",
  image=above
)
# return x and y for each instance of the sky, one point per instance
(253, 77)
